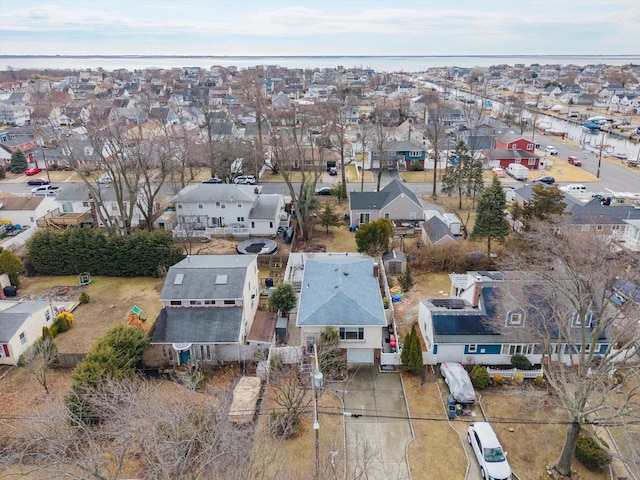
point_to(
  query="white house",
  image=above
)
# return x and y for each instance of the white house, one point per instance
(21, 326)
(208, 306)
(24, 211)
(340, 290)
(243, 208)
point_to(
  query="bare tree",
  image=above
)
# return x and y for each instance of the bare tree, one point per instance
(436, 135)
(585, 336)
(293, 400)
(40, 358)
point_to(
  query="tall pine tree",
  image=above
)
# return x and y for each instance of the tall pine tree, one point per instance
(490, 215)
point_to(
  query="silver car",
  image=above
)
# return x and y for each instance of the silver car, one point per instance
(458, 381)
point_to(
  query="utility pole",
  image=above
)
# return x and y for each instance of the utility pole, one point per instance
(601, 146)
(316, 376)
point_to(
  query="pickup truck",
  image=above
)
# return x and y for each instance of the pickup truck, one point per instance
(45, 191)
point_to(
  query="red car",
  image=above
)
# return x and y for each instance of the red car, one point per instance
(32, 171)
(574, 161)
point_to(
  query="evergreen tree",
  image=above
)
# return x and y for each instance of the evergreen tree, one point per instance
(340, 191)
(328, 217)
(405, 279)
(545, 202)
(490, 215)
(12, 266)
(415, 363)
(332, 363)
(462, 175)
(18, 161)
(283, 298)
(2, 172)
(406, 349)
(372, 238)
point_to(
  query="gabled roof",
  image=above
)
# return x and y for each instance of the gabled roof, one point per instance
(14, 202)
(378, 200)
(210, 193)
(199, 324)
(340, 290)
(200, 277)
(265, 207)
(436, 230)
(509, 137)
(13, 317)
(595, 213)
(404, 146)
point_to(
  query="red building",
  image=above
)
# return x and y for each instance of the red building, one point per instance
(512, 141)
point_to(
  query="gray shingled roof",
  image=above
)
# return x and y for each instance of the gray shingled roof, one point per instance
(378, 200)
(265, 208)
(199, 277)
(594, 213)
(436, 230)
(201, 325)
(340, 290)
(220, 192)
(12, 318)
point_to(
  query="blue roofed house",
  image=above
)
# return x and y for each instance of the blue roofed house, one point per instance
(340, 290)
(480, 324)
(208, 306)
(395, 202)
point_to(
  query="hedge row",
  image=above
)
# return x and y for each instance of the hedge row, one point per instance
(76, 250)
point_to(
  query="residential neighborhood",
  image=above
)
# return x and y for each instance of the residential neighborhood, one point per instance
(359, 244)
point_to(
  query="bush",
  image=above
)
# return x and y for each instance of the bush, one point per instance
(62, 323)
(539, 381)
(498, 380)
(84, 298)
(590, 454)
(283, 298)
(520, 362)
(519, 377)
(480, 377)
(54, 330)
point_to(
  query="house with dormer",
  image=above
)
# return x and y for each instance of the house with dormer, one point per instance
(208, 307)
(480, 323)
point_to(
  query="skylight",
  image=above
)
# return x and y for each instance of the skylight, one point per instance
(221, 279)
(179, 278)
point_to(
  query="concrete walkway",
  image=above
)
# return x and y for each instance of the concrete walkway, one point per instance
(376, 441)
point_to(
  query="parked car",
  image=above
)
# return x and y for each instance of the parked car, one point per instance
(551, 150)
(32, 171)
(245, 180)
(546, 179)
(333, 171)
(457, 378)
(574, 161)
(45, 191)
(323, 191)
(104, 179)
(212, 180)
(489, 453)
(602, 199)
(38, 181)
(499, 172)
(574, 188)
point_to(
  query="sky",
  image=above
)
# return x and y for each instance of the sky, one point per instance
(327, 27)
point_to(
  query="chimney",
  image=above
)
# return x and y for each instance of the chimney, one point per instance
(376, 270)
(477, 289)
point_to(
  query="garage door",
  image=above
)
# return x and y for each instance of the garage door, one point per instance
(360, 355)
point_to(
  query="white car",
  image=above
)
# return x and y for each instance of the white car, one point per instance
(104, 179)
(457, 378)
(491, 457)
(551, 150)
(245, 180)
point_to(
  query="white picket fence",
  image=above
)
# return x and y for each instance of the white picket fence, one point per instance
(510, 372)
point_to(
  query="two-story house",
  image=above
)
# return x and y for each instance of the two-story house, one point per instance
(242, 208)
(208, 306)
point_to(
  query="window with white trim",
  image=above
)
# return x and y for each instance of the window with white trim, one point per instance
(517, 349)
(531, 161)
(47, 316)
(585, 228)
(209, 302)
(351, 333)
(200, 206)
(175, 303)
(473, 348)
(529, 146)
(23, 338)
(599, 228)
(195, 302)
(387, 215)
(412, 215)
(229, 302)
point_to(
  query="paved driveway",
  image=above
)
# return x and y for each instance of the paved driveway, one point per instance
(377, 440)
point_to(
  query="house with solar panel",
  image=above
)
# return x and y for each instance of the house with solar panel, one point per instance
(395, 202)
(482, 323)
(209, 303)
(343, 291)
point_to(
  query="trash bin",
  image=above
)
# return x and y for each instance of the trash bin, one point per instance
(451, 413)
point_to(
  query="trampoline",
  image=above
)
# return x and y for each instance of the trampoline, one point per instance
(256, 246)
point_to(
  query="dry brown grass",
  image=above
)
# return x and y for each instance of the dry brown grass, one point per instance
(111, 299)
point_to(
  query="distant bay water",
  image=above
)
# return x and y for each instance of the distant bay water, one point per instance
(377, 63)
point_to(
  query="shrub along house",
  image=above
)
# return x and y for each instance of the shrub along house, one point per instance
(208, 306)
(481, 325)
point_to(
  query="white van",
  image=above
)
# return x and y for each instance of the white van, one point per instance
(551, 150)
(518, 171)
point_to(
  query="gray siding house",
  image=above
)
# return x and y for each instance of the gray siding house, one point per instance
(395, 202)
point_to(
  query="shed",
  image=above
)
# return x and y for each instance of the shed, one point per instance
(281, 329)
(166, 221)
(395, 262)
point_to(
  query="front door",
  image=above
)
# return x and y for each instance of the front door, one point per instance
(185, 356)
